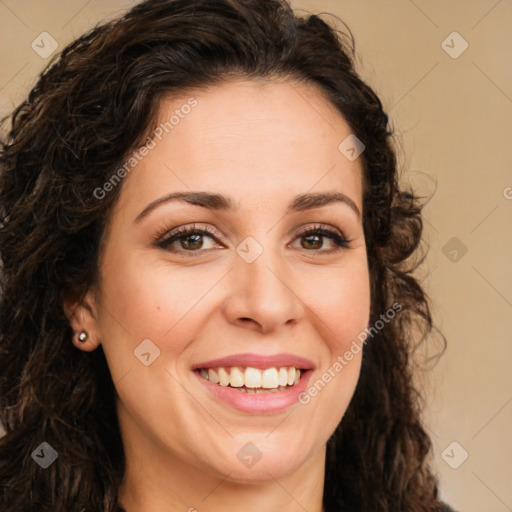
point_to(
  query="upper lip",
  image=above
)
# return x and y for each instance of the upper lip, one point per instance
(258, 361)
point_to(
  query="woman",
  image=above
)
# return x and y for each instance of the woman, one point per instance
(207, 299)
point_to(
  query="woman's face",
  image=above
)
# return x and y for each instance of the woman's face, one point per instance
(271, 286)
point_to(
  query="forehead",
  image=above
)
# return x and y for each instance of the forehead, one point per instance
(249, 138)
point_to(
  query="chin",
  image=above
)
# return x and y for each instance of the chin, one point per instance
(262, 472)
(257, 467)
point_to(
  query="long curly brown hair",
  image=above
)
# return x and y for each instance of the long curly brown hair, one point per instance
(89, 109)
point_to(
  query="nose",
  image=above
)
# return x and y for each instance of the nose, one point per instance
(262, 295)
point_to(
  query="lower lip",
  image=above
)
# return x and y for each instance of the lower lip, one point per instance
(257, 403)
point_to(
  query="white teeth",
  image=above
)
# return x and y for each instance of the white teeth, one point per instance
(236, 377)
(213, 376)
(269, 379)
(291, 375)
(283, 376)
(223, 377)
(253, 379)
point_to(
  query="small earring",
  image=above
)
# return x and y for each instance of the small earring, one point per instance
(83, 336)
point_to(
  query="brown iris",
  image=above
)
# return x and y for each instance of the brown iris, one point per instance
(317, 242)
(192, 241)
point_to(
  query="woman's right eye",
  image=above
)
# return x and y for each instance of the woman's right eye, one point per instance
(188, 240)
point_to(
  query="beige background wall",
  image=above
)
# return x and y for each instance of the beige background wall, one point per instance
(453, 117)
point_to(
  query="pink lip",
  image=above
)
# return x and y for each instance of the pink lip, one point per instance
(261, 403)
(258, 361)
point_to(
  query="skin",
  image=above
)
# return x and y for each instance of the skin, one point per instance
(263, 143)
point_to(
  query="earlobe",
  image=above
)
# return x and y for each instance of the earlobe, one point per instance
(81, 314)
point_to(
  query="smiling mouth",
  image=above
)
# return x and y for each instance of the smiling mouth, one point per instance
(253, 380)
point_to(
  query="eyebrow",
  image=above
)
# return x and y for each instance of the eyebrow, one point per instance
(220, 202)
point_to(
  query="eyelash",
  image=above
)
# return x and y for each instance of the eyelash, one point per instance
(164, 243)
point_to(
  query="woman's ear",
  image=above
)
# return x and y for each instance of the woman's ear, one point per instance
(82, 316)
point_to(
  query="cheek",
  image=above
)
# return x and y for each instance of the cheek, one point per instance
(342, 310)
(152, 300)
(342, 303)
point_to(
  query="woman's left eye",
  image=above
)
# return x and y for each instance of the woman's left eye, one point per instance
(313, 239)
(191, 240)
